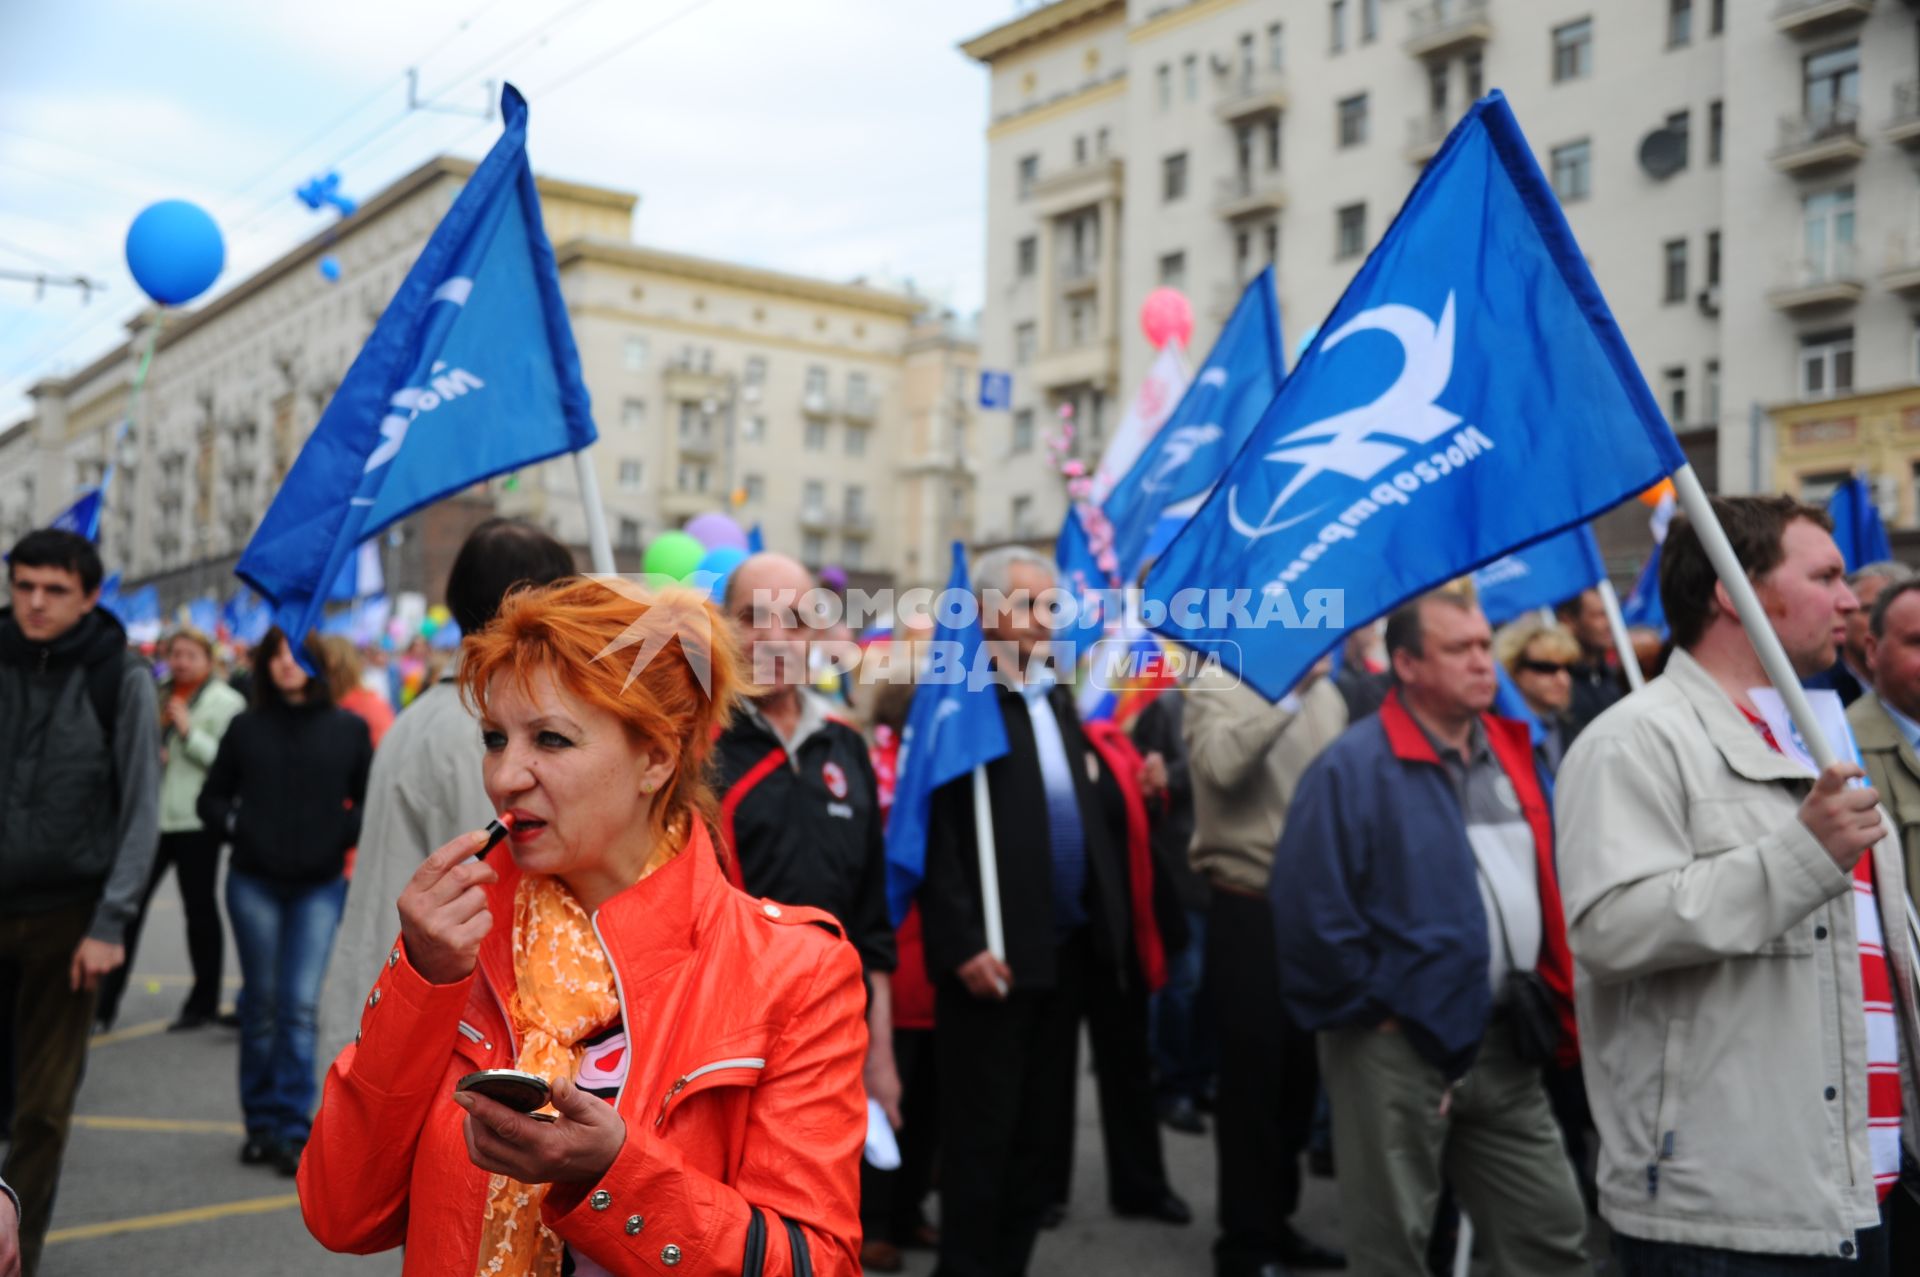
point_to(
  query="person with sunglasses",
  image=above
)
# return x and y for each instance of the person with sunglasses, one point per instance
(1540, 659)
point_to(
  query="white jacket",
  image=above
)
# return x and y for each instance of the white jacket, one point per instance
(1718, 980)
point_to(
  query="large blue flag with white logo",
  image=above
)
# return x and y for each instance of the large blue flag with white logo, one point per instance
(1470, 394)
(82, 518)
(1858, 529)
(471, 372)
(953, 726)
(1541, 575)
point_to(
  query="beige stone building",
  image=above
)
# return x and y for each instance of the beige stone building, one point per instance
(826, 412)
(1740, 174)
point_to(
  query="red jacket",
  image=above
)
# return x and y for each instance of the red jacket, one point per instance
(1117, 750)
(707, 977)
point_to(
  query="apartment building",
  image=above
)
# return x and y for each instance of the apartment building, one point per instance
(1740, 174)
(825, 412)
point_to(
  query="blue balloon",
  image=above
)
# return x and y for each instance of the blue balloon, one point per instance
(716, 565)
(330, 267)
(175, 251)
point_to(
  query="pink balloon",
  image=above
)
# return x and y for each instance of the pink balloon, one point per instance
(1166, 316)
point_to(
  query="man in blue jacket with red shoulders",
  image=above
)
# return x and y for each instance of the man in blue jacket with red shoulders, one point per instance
(1414, 878)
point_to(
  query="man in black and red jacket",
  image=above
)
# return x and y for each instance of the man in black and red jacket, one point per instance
(800, 809)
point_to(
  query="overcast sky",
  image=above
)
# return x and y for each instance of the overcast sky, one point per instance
(835, 139)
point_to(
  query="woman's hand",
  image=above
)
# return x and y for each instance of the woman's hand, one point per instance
(443, 911)
(579, 1148)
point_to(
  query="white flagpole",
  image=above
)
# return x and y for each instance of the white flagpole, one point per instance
(989, 867)
(599, 547)
(1622, 641)
(1753, 618)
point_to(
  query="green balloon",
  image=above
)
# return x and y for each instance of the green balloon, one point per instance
(673, 554)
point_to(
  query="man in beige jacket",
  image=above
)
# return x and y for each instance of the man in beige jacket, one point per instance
(1245, 757)
(1747, 1088)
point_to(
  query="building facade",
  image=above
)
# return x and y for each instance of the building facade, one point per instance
(822, 411)
(1740, 174)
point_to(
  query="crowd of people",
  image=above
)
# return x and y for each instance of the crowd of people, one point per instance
(1493, 973)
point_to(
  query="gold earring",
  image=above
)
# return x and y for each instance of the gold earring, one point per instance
(647, 787)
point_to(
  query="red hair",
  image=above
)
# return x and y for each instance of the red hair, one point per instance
(591, 639)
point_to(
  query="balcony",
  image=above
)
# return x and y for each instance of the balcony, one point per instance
(856, 523)
(1425, 133)
(1079, 186)
(816, 518)
(696, 444)
(1819, 140)
(1902, 273)
(816, 403)
(1250, 192)
(1804, 18)
(1822, 283)
(690, 385)
(678, 504)
(1904, 128)
(860, 410)
(1091, 363)
(1252, 94)
(1442, 28)
(1079, 275)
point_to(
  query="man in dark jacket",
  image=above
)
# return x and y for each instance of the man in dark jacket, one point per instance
(1414, 876)
(1007, 1028)
(79, 821)
(1597, 680)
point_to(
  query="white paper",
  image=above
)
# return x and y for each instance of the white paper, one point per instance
(1827, 709)
(883, 1151)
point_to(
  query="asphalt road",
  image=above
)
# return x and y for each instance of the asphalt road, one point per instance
(153, 1183)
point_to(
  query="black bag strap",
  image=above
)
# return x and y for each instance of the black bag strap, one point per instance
(756, 1257)
(799, 1251)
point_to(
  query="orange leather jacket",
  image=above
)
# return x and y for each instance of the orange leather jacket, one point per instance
(743, 1091)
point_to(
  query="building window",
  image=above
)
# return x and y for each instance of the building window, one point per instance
(1351, 231)
(1710, 392)
(635, 356)
(1100, 142)
(1353, 120)
(815, 437)
(1173, 270)
(629, 534)
(1173, 177)
(1026, 256)
(1680, 124)
(1439, 78)
(1029, 171)
(1163, 85)
(1826, 364)
(1716, 129)
(753, 429)
(1023, 430)
(813, 497)
(856, 445)
(858, 398)
(629, 476)
(1337, 18)
(1713, 259)
(1818, 488)
(1833, 86)
(1827, 235)
(813, 548)
(1243, 68)
(1025, 340)
(1474, 67)
(1573, 170)
(756, 371)
(1079, 149)
(754, 487)
(1673, 256)
(1679, 23)
(1673, 382)
(1369, 21)
(1022, 516)
(1276, 48)
(633, 414)
(1717, 19)
(1573, 51)
(1190, 76)
(816, 382)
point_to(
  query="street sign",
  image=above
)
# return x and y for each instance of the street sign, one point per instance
(996, 390)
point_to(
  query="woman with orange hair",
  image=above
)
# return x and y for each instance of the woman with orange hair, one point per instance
(704, 1048)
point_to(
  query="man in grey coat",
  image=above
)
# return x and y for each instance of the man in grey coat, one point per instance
(79, 821)
(425, 787)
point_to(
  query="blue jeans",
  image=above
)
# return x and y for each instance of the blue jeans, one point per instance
(1184, 1055)
(283, 932)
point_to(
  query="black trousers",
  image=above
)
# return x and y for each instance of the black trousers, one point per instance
(195, 854)
(1269, 1076)
(891, 1202)
(1637, 1258)
(1118, 1035)
(1005, 1069)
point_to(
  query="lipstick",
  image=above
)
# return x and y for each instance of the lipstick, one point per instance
(497, 830)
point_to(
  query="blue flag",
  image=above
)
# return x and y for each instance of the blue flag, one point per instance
(1539, 576)
(952, 727)
(471, 372)
(1857, 526)
(1470, 394)
(204, 615)
(756, 540)
(1189, 452)
(1643, 605)
(82, 518)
